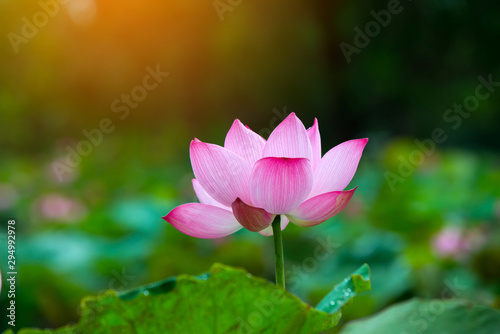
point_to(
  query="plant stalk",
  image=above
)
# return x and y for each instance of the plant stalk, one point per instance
(278, 252)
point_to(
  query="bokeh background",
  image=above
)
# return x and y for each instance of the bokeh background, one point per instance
(433, 231)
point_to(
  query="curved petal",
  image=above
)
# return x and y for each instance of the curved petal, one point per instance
(244, 142)
(316, 210)
(204, 197)
(279, 185)
(268, 231)
(315, 139)
(203, 221)
(222, 173)
(252, 218)
(288, 140)
(337, 167)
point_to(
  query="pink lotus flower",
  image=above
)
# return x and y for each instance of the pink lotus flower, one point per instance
(250, 180)
(457, 243)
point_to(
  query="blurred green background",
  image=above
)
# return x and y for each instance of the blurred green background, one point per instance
(426, 222)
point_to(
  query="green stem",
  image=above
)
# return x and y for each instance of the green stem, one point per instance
(278, 252)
